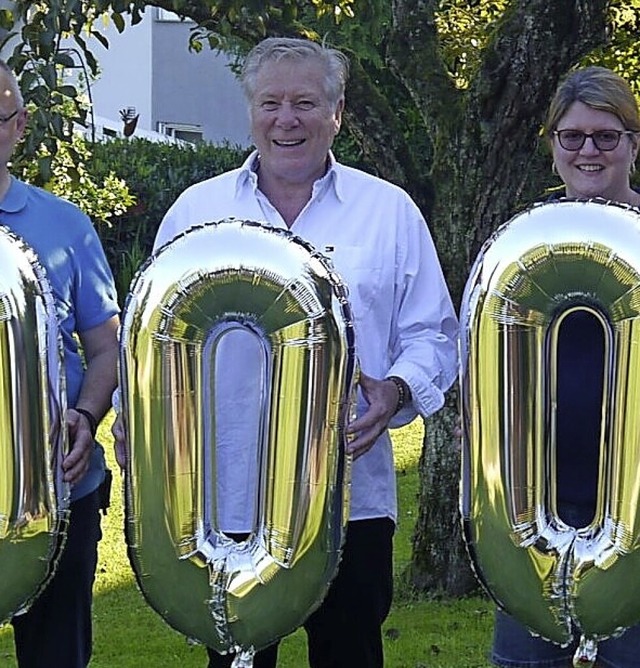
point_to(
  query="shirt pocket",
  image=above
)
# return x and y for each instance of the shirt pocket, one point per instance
(361, 271)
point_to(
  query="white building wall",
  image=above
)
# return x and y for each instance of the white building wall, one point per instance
(125, 78)
(196, 89)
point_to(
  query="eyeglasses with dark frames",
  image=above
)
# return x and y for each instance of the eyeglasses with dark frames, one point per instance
(5, 119)
(604, 140)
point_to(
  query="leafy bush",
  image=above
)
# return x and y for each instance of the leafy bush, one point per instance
(155, 174)
(102, 197)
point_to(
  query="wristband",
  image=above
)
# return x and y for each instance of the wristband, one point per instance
(404, 393)
(93, 423)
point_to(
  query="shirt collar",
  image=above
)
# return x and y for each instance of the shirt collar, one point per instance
(332, 179)
(247, 176)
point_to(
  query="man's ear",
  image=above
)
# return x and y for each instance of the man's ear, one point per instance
(21, 122)
(338, 114)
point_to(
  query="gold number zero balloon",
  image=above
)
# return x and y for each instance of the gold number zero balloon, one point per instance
(545, 262)
(214, 279)
(33, 499)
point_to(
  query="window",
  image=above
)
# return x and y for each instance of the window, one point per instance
(183, 131)
(166, 15)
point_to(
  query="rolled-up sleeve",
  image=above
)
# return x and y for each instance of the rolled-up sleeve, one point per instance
(424, 336)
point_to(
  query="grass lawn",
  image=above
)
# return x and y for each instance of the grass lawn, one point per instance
(128, 633)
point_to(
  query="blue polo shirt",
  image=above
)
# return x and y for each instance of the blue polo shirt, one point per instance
(70, 251)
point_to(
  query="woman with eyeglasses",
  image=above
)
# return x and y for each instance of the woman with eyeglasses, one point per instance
(593, 129)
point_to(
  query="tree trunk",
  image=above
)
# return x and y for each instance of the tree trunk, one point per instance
(440, 564)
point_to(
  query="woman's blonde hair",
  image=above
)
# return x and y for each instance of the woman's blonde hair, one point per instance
(598, 88)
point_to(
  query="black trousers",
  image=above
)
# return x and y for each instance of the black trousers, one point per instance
(56, 630)
(346, 630)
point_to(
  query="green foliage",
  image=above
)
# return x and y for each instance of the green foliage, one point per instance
(348, 151)
(465, 29)
(101, 198)
(35, 30)
(155, 174)
(622, 54)
(364, 36)
(125, 261)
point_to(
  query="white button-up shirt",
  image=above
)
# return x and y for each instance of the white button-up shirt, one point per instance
(405, 324)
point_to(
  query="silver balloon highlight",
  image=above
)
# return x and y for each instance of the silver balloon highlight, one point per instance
(227, 279)
(33, 499)
(545, 262)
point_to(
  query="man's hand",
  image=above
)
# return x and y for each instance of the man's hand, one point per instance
(76, 463)
(382, 397)
(120, 443)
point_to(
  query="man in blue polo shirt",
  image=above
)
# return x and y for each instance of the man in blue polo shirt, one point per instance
(56, 630)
